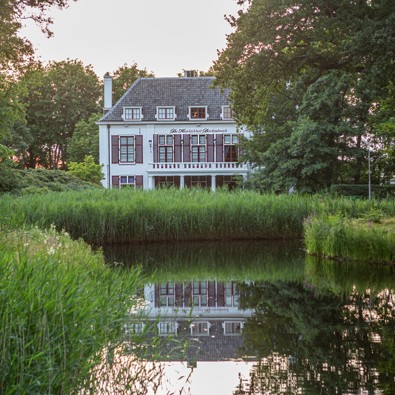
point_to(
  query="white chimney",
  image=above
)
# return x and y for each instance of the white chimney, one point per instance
(107, 92)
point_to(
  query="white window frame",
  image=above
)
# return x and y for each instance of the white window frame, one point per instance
(201, 147)
(135, 328)
(197, 324)
(232, 143)
(199, 299)
(168, 298)
(223, 113)
(167, 146)
(132, 108)
(127, 182)
(241, 323)
(134, 149)
(165, 108)
(197, 119)
(171, 328)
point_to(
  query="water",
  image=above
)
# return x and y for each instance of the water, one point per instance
(262, 318)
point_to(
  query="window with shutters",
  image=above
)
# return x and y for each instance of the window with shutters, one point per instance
(166, 148)
(126, 149)
(166, 294)
(198, 147)
(196, 113)
(127, 181)
(232, 294)
(165, 113)
(132, 114)
(231, 142)
(167, 328)
(200, 296)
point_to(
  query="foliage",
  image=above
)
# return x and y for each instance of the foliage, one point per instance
(87, 170)
(27, 181)
(61, 308)
(85, 140)
(336, 237)
(378, 191)
(127, 215)
(311, 80)
(124, 77)
(61, 94)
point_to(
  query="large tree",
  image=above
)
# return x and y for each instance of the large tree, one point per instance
(307, 77)
(61, 94)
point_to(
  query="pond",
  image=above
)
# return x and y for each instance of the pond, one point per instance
(262, 318)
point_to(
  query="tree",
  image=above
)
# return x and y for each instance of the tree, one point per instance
(306, 78)
(124, 77)
(87, 170)
(85, 140)
(60, 95)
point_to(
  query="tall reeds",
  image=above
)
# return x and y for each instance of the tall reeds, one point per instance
(112, 216)
(60, 307)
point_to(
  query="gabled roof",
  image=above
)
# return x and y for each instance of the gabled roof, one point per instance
(182, 92)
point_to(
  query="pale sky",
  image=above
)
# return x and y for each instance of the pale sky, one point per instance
(163, 36)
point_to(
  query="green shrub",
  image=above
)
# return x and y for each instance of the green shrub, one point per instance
(87, 170)
(60, 307)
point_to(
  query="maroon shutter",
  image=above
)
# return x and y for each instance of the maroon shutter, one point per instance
(139, 181)
(220, 294)
(187, 295)
(115, 182)
(178, 288)
(177, 148)
(210, 148)
(115, 149)
(139, 149)
(211, 293)
(156, 148)
(156, 302)
(220, 144)
(240, 147)
(187, 147)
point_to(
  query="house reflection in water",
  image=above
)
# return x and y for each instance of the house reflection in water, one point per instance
(206, 313)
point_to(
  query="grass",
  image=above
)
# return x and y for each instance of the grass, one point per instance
(360, 239)
(60, 307)
(128, 216)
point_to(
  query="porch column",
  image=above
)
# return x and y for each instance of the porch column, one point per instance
(150, 182)
(182, 182)
(213, 184)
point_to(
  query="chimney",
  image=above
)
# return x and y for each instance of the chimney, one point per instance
(107, 93)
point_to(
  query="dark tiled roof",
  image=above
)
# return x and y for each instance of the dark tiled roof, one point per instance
(149, 93)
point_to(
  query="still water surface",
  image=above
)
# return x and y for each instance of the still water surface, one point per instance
(262, 318)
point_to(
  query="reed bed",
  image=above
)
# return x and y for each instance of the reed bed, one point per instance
(129, 216)
(60, 307)
(337, 237)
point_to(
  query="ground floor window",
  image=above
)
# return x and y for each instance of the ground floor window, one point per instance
(198, 181)
(232, 327)
(230, 182)
(167, 182)
(167, 328)
(200, 328)
(127, 181)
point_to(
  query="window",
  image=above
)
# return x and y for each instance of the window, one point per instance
(232, 327)
(126, 149)
(166, 294)
(165, 146)
(126, 181)
(132, 113)
(199, 293)
(226, 112)
(198, 147)
(135, 328)
(200, 328)
(167, 328)
(232, 295)
(230, 147)
(165, 113)
(197, 112)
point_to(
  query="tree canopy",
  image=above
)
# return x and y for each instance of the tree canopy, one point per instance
(309, 79)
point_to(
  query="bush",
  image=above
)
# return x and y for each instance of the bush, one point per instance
(87, 170)
(378, 191)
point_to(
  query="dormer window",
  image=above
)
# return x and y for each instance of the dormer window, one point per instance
(197, 113)
(132, 114)
(165, 113)
(226, 113)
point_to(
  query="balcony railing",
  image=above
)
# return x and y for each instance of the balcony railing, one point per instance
(201, 166)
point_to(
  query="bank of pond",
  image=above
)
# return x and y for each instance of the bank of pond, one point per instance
(134, 216)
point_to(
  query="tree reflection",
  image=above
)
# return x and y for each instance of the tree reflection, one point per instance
(321, 343)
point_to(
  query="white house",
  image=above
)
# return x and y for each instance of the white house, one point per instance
(169, 131)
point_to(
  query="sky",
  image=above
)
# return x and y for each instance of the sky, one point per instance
(161, 36)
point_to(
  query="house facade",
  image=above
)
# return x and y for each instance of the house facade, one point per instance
(170, 132)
